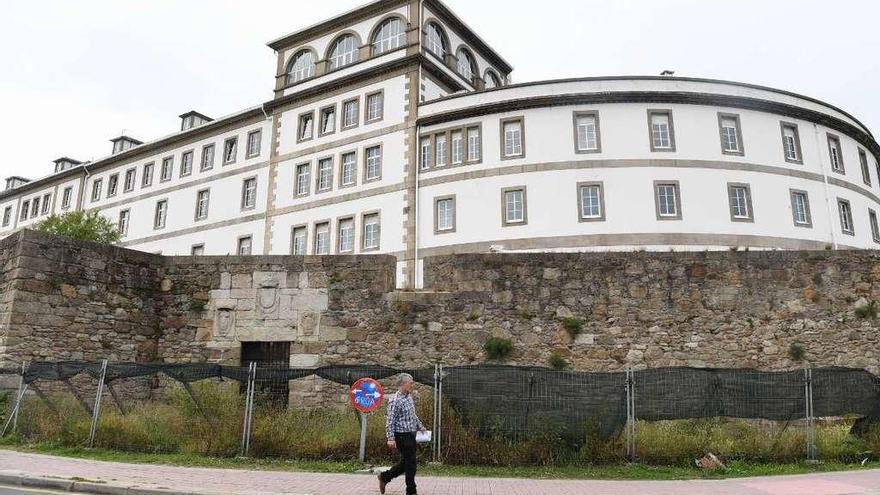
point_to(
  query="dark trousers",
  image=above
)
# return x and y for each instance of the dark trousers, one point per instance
(406, 445)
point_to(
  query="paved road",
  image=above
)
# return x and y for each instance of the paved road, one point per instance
(5, 490)
(246, 482)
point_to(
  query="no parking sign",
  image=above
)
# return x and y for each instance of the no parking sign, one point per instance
(366, 395)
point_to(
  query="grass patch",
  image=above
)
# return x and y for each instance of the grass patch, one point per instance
(573, 326)
(498, 349)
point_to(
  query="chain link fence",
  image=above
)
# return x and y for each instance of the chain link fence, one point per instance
(479, 414)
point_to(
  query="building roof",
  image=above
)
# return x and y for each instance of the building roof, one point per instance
(126, 138)
(193, 113)
(66, 159)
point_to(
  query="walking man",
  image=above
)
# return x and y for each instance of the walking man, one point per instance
(400, 430)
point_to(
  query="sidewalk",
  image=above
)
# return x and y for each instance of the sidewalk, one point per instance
(134, 479)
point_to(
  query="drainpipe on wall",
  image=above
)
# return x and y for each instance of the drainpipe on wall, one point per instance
(828, 208)
(82, 188)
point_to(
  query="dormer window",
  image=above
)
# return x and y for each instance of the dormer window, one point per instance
(123, 143)
(435, 41)
(193, 119)
(65, 163)
(390, 36)
(301, 66)
(465, 64)
(344, 52)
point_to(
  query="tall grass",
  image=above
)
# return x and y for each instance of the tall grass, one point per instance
(177, 425)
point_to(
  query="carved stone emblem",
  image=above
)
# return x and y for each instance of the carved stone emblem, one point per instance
(267, 302)
(224, 323)
(308, 324)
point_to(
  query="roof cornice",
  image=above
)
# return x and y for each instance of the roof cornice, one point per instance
(469, 35)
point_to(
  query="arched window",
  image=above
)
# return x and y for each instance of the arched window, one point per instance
(465, 64)
(390, 35)
(345, 52)
(301, 66)
(435, 41)
(492, 80)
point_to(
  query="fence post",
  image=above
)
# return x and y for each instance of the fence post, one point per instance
(630, 415)
(439, 431)
(19, 397)
(248, 410)
(20, 387)
(811, 424)
(434, 416)
(97, 409)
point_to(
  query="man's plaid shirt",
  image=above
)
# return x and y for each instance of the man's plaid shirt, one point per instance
(402, 416)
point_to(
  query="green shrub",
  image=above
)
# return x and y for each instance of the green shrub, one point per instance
(868, 311)
(197, 305)
(498, 349)
(573, 326)
(82, 226)
(797, 352)
(558, 362)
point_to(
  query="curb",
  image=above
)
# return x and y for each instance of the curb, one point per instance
(85, 486)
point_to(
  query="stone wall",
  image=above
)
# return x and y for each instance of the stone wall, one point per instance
(70, 300)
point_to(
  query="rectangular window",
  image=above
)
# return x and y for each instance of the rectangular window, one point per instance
(303, 179)
(96, 189)
(328, 121)
(661, 129)
(186, 163)
(475, 144)
(249, 194)
(128, 183)
(112, 185)
(25, 207)
(147, 178)
(440, 150)
(586, 132)
(875, 229)
(668, 200)
(348, 175)
(35, 207)
(512, 140)
(122, 225)
(306, 127)
(373, 165)
(591, 202)
(513, 206)
(372, 232)
(731, 134)
(375, 107)
(846, 218)
(202, 198)
(791, 143)
(245, 245)
(47, 203)
(444, 214)
(350, 113)
(346, 235)
(197, 250)
(167, 168)
(254, 143)
(425, 153)
(7, 216)
(866, 171)
(230, 151)
(456, 147)
(322, 238)
(740, 198)
(325, 175)
(161, 214)
(66, 197)
(300, 241)
(800, 209)
(207, 157)
(835, 154)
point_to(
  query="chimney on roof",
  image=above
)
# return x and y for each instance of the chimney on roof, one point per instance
(15, 181)
(123, 143)
(193, 119)
(65, 163)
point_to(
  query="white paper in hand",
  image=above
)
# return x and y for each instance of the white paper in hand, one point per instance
(423, 436)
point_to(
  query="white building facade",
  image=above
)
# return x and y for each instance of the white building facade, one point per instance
(396, 130)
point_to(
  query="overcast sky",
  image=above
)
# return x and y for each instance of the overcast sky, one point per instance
(76, 73)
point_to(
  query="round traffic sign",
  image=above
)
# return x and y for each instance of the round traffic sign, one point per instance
(366, 395)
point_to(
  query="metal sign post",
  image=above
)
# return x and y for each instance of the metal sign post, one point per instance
(365, 396)
(97, 410)
(248, 410)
